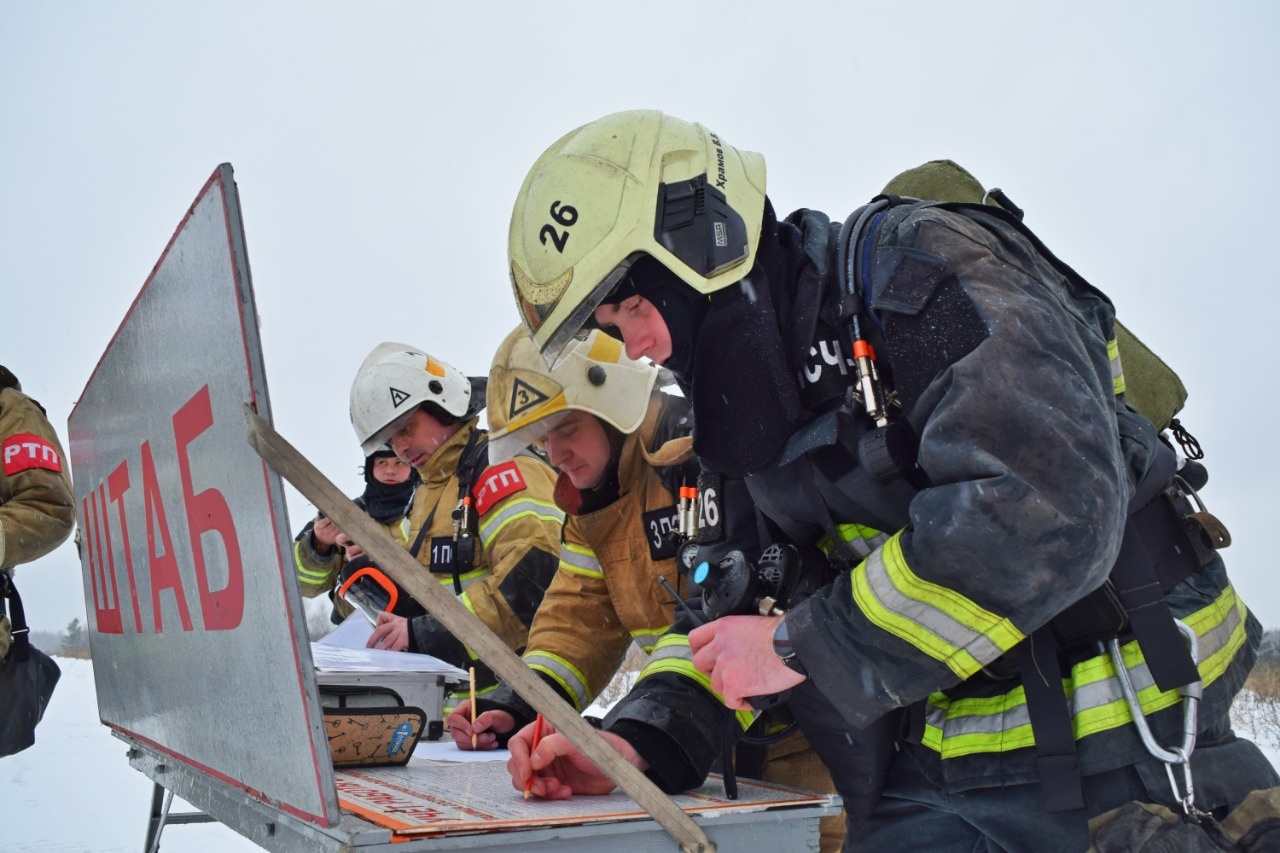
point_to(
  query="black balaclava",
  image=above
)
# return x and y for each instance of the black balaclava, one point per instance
(385, 503)
(742, 384)
(681, 307)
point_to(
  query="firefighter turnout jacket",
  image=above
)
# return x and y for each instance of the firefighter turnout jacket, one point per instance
(606, 594)
(37, 505)
(1004, 369)
(516, 527)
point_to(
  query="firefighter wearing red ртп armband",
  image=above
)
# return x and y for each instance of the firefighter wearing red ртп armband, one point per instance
(37, 507)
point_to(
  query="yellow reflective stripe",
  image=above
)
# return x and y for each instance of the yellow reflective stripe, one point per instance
(455, 696)
(467, 578)
(1117, 369)
(964, 726)
(306, 575)
(938, 621)
(467, 602)
(860, 538)
(674, 655)
(541, 510)
(563, 673)
(580, 560)
(647, 638)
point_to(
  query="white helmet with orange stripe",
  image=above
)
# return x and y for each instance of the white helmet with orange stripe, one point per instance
(394, 380)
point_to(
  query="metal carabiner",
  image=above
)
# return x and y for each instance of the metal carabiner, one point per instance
(1190, 694)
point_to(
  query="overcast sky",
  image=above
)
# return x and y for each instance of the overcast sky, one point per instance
(378, 147)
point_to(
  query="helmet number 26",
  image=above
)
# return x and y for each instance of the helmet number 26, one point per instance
(565, 216)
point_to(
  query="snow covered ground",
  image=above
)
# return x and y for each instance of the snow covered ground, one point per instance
(75, 791)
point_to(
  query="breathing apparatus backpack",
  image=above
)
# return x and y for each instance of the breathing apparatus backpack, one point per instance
(1165, 516)
(1151, 386)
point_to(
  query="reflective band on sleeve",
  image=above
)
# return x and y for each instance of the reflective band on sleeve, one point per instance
(580, 560)
(938, 621)
(466, 578)
(454, 697)
(308, 576)
(674, 655)
(543, 511)
(1117, 369)
(860, 539)
(956, 727)
(563, 673)
(647, 638)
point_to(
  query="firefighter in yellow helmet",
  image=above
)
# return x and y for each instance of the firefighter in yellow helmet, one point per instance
(624, 450)
(930, 395)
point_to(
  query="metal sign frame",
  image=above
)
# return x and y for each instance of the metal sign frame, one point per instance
(196, 622)
(200, 651)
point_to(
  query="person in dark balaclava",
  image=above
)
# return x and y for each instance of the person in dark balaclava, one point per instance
(389, 483)
(389, 486)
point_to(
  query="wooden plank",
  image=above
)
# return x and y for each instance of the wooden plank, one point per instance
(397, 563)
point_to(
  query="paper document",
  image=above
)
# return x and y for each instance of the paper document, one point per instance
(446, 750)
(424, 800)
(353, 633)
(341, 659)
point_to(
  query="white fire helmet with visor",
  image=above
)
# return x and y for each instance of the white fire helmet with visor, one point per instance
(627, 185)
(394, 380)
(594, 375)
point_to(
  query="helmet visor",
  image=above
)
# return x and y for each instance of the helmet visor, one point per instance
(382, 438)
(580, 320)
(507, 445)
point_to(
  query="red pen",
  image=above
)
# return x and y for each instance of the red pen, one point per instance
(537, 736)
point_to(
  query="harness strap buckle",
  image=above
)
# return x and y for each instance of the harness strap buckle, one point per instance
(1205, 532)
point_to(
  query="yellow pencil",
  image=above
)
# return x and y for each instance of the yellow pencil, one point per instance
(473, 707)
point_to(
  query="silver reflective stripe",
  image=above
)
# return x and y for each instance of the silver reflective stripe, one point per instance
(1086, 697)
(918, 612)
(564, 674)
(492, 524)
(467, 581)
(647, 639)
(580, 561)
(676, 651)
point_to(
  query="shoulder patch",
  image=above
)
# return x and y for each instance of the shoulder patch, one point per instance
(24, 451)
(496, 483)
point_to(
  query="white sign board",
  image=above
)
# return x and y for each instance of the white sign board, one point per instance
(196, 625)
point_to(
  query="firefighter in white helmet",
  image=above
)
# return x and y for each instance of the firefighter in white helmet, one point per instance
(627, 474)
(501, 554)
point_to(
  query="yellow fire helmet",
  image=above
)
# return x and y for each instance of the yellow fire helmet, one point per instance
(594, 376)
(629, 184)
